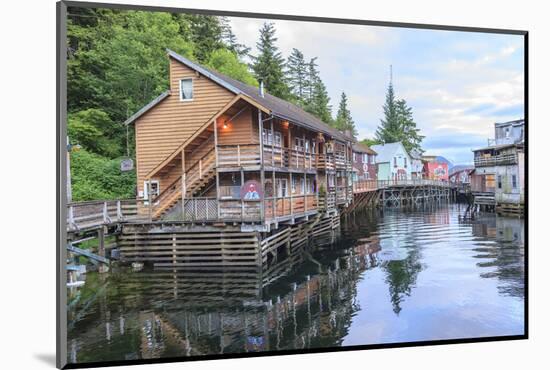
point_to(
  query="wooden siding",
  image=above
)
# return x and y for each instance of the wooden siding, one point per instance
(162, 129)
(239, 130)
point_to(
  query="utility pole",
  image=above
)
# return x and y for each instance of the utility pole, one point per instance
(69, 187)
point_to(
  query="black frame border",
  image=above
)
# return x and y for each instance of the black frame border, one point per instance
(61, 118)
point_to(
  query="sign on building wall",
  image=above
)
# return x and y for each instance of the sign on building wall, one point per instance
(251, 191)
(126, 165)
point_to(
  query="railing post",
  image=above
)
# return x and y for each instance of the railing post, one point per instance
(238, 156)
(71, 218)
(195, 206)
(106, 218)
(119, 215)
(200, 168)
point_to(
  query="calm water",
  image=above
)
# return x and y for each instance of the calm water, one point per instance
(393, 277)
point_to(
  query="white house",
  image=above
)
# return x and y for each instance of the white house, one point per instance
(417, 166)
(394, 163)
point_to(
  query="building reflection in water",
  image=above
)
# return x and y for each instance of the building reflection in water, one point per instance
(307, 300)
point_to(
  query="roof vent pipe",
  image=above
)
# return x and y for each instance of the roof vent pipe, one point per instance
(261, 88)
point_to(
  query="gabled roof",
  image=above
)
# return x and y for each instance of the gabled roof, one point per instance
(460, 168)
(150, 105)
(386, 151)
(361, 148)
(277, 107)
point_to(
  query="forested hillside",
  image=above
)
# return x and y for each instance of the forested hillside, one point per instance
(117, 63)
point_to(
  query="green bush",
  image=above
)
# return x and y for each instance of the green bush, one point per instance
(96, 177)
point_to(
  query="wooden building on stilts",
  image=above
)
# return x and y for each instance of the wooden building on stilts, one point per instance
(231, 175)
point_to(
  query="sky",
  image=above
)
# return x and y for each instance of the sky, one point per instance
(457, 83)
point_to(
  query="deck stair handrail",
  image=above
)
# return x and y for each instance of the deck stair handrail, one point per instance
(195, 178)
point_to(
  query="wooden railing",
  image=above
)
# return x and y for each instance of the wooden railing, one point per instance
(326, 162)
(413, 182)
(287, 206)
(496, 160)
(234, 156)
(91, 214)
(203, 168)
(240, 210)
(364, 185)
(200, 209)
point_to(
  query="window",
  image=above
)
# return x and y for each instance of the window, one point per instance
(268, 138)
(355, 157)
(365, 158)
(499, 181)
(331, 181)
(299, 144)
(514, 182)
(294, 184)
(395, 161)
(405, 162)
(186, 89)
(282, 189)
(507, 132)
(151, 189)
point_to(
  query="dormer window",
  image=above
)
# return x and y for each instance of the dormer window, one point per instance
(186, 89)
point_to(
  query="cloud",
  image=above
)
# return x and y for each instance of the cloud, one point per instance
(457, 83)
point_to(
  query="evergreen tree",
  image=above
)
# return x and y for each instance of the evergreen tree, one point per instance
(409, 133)
(297, 71)
(230, 39)
(206, 35)
(319, 105)
(268, 66)
(389, 130)
(311, 80)
(344, 122)
(398, 123)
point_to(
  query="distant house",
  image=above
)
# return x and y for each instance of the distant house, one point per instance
(364, 163)
(436, 168)
(498, 178)
(417, 166)
(393, 161)
(511, 132)
(460, 174)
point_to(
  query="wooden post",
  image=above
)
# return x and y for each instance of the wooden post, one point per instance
(290, 188)
(262, 172)
(119, 216)
(242, 201)
(272, 146)
(217, 165)
(183, 184)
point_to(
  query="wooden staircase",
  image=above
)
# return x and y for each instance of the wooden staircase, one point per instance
(195, 180)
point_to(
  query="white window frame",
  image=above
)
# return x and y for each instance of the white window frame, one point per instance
(279, 185)
(192, 89)
(146, 188)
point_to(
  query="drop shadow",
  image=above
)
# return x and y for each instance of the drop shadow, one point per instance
(46, 358)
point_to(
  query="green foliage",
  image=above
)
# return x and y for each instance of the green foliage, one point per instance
(398, 123)
(343, 121)
(230, 40)
(93, 129)
(318, 102)
(227, 62)
(95, 177)
(411, 137)
(369, 142)
(206, 33)
(268, 66)
(119, 63)
(297, 74)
